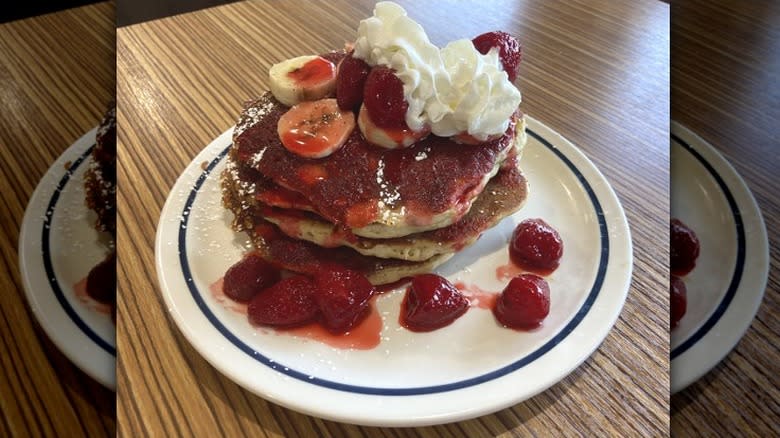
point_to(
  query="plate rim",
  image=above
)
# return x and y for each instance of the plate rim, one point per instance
(690, 360)
(623, 246)
(96, 358)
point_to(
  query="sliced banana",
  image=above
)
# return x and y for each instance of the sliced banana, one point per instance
(315, 129)
(301, 79)
(386, 137)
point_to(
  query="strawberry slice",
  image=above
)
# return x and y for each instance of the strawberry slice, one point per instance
(509, 50)
(342, 296)
(432, 302)
(288, 303)
(350, 80)
(249, 276)
(383, 97)
(315, 129)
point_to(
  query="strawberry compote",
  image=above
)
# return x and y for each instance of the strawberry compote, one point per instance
(431, 302)
(359, 174)
(684, 248)
(313, 72)
(336, 297)
(684, 252)
(536, 246)
(524, 303)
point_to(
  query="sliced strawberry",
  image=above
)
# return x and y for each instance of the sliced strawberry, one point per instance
(383, 96)
(287, 303)
(342, 296)
(350, 80)
(431, 302)
(249, 276)
(315, 129)
(509, 50)
(524, 303)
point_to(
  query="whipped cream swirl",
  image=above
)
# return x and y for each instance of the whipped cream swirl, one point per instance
(453, 90)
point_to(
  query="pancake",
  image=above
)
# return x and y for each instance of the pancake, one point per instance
(503, 195)
(372, 191)
(305, 257)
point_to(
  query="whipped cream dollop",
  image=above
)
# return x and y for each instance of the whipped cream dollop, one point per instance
(453, 90)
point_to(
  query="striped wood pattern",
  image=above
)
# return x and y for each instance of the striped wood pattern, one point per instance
(726, 88)
(56, 79)
(596, 71)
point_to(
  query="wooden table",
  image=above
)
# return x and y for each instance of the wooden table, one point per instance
(595, 71)
(56, 80)
(726, 88)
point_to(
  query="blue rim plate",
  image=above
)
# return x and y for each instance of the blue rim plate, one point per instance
(470, 368)
(727, 285)
(58, 246)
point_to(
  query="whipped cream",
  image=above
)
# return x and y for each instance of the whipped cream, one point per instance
(453, 90)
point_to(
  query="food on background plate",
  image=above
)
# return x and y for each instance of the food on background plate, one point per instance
(100, 194)
(375, 164)
(685, 250)
(678, 300)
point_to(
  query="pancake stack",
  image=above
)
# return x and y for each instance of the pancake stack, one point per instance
(387, 213)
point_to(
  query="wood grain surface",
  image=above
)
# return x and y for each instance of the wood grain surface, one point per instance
(56, 79)
(595, 71)
(726, 88)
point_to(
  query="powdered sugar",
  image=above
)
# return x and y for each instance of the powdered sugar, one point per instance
(255, 159)
(253, 114)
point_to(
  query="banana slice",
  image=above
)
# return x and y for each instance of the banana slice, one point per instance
(303, 78)
(387, 137)
(315, 129)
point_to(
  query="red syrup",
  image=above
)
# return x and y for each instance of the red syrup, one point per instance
(349, 193)
(313, 72)
(478, 297)
(508, 271)
(364, 336)
(80, 290)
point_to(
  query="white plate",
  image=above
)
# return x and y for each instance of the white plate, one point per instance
(58, 245)
(470, 368)
(726, 286)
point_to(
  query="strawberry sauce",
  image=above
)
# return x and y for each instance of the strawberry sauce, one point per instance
(313, 72)
(364, 336)
(358, 175)
(478, 297)
(508, 271)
